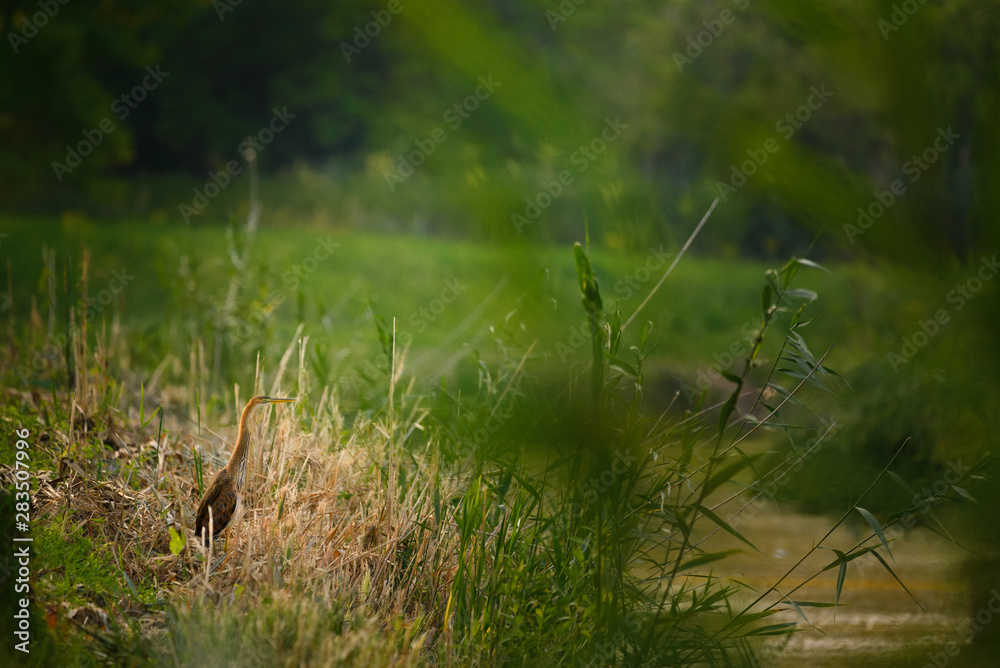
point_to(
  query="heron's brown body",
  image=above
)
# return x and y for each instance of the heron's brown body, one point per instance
(220, 505)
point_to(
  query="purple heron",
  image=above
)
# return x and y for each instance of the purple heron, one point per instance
(221, 503)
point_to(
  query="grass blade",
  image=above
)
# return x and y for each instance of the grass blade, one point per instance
(707, 558)
(896, 578)
(724, 526)
(877, 528)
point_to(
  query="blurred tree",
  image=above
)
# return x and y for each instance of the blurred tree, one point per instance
(714, 97)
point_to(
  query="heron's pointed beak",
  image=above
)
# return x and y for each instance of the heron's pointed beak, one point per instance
(271, 400)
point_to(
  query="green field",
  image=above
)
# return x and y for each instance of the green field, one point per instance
(476, 475)
(535, 332)
(454, 299)
(443, 293)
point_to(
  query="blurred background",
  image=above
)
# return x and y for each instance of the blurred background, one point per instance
(228, 171)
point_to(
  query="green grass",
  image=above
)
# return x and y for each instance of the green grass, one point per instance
(517, 493)
(91, 574)
(528, 556)
(698, 313)
(64, 547)
(701, 314)
(12, 421)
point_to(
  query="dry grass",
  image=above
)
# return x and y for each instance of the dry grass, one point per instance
(414, 534)
(325, 534)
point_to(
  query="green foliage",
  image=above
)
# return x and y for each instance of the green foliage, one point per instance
(79, 561)
(693, 114)
(561, 560)
(176, 541)
(284, 631)
(570, 517)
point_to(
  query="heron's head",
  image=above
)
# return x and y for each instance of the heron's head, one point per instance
(259, 401)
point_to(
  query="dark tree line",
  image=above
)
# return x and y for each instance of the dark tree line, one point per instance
(718, 98)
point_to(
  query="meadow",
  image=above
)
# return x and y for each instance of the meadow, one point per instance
(526, 430)
(328, 280)
(489, 461)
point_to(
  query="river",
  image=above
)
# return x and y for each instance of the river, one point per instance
(877, 623)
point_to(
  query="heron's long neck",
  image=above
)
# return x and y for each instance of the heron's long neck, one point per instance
(238, 460)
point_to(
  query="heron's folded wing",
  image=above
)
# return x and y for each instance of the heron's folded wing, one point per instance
(221, 498)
